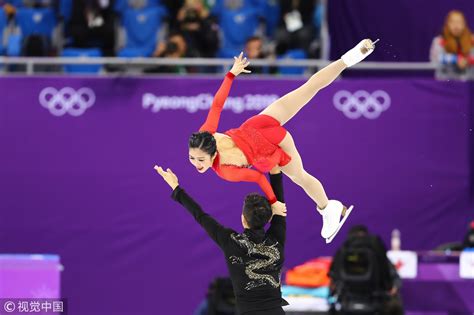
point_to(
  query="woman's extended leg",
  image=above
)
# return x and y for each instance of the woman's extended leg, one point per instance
(296, 172)
(287, 106)
(331, 210)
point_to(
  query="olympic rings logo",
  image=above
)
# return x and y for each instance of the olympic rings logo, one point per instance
(362, 103)
(67, 100)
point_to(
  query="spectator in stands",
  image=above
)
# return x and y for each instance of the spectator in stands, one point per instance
(238, 20)
(92, 25)
(296, 29)
(8, 8)
(36, 21)
(173, 6)
(469, 238)
(254, 50)
(174, 47)
(171, 51)
(359, 237)
(177, 39)
(453, 50)
(198, 30)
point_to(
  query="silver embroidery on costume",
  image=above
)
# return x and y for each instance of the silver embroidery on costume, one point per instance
(271, 257)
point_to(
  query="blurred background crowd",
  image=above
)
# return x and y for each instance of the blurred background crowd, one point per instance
(276, 29)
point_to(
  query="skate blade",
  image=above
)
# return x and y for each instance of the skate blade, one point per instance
(348, 212)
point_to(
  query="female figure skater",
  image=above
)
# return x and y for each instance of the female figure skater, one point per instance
(263, 143)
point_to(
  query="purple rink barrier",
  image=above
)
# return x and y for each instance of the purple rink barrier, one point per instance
(77, 178)
(447, 292)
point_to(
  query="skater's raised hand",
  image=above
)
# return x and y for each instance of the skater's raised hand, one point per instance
(168, 175)
(279, 208)
(240, 63)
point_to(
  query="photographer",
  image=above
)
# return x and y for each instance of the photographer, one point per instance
(173, 48)
(198, 30)
(388, 279)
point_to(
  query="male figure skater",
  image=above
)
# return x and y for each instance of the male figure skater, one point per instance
(255, 256)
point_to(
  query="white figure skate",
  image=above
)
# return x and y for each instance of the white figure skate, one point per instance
(359, 52)
(332, 221)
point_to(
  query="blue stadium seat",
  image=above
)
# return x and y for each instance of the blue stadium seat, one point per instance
(15, 3)
(121, 6)
(237, 26)
(220, 6)
(293, 54)
(80, 52)
(318, 17)
(229, 51)
(41, 21)
(14, 45)
(65, 9)
(133, 52)
(31, 3)
(272, 16)
(141, 29)
(3, 25)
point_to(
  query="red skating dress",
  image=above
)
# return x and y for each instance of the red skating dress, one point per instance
(258, 138)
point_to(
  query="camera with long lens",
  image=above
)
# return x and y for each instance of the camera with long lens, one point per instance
(191, 16)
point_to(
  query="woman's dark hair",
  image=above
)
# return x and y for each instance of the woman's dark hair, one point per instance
(203, 140)
(257, 211)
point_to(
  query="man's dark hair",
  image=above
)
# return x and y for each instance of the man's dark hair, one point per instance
(257, 211)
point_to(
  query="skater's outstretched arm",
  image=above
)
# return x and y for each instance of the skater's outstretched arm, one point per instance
(278, 224)
(240, 174)
(212, 121)
(216, 231)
